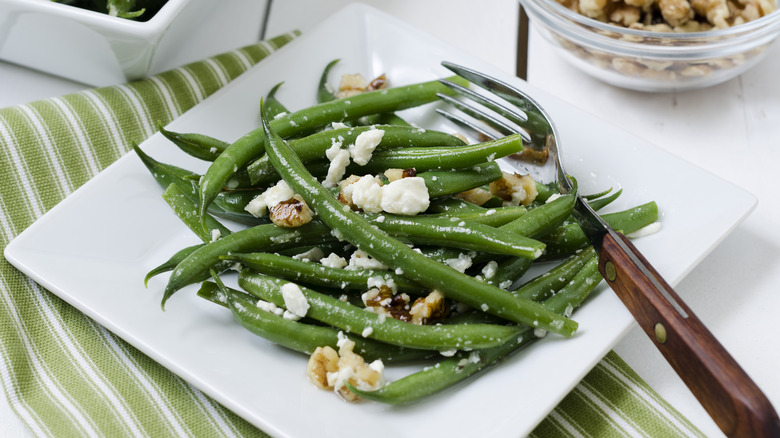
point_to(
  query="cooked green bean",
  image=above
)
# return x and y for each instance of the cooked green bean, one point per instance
(456, 233)
(313, 147)
(200, 146)
(316, 274)
(272, 105)
(450, 371)
(431, 158)
(252, 144)
(324, 91)
(569, 237)
(446, 182)
(391, 252)
(495, 217)
(371, 325)
(299, 336)
(267, 237)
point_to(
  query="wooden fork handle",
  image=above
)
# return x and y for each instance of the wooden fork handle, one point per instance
(725, 391)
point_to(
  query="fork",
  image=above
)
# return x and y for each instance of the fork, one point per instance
(726, 392)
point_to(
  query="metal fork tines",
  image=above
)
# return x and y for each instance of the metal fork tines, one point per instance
(506, 110)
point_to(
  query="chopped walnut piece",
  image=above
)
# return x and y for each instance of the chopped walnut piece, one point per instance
(329, 369)
(324, 360)
(352, 84)
(476, 196)
(379, 83)
(430, 308)
(382, 300)
(396, 174)
(290, 213)
(676, 12)
(515, 189)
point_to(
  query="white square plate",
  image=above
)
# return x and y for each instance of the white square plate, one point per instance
(94, 248)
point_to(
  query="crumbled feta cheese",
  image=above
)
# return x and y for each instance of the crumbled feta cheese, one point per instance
(338, 125)
(552, 198)
(312, 255)
(334, 260)
(490, 269)
(448, 353)
(294, 299)
(361, 260)
(364, 146)
(272, 196)
(339, 160)
(406, 196)
(645, 231)
(215, 234)
(461, 263)
(270, 307)
(367, 332)
(366, 193)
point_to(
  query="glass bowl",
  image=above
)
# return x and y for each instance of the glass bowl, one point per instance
(653, 61)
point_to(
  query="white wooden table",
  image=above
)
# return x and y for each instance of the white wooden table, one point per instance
(732, 130)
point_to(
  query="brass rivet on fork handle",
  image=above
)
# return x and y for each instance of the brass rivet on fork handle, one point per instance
(610, 271)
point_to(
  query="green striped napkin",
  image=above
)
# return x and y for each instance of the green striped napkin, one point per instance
(65, 375)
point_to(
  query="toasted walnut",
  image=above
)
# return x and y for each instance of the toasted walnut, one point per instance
(290, 213)
(625, 15)
(396, 174)
(324, 360)
(716, 11)
(514, 189)
(379, 83)
(345, 196)
(676, 12)
(430, 308)
(476, 196)
(352, 84)
(329, 369)
(382, 300)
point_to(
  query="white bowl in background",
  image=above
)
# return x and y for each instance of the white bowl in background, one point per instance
(98, 49)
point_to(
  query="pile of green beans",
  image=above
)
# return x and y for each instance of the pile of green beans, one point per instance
(476, 256)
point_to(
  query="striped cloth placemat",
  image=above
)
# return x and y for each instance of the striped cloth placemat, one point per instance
(65, 375)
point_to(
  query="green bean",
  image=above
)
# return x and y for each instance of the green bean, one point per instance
(371, 325)
(267, 237)
(446, 232)
(495, 217)
(316, 274)
(569, 237)
(196, 145)
(313, 147)
(299, 336)
(252, 144)
(228, 204)
(446, 182)
(324, 91)
(432, 158)
(542, 219)
(272, 105)
(453, 370)
(452, 205)
(600, 202)
(391, 252)
(171, 263)
(536, 222)
(545, 285)
(187, 211)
